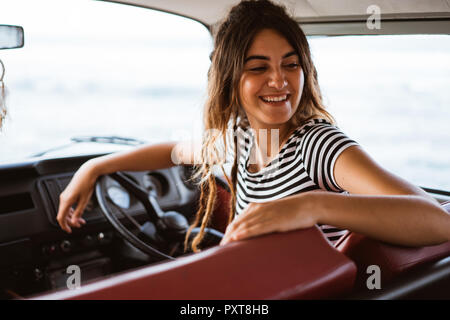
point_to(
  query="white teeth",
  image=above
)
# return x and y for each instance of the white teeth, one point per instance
(274, 99)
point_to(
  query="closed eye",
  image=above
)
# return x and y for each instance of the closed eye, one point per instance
(292, 65)
(258, 69)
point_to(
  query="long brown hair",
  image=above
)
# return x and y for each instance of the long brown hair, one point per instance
(232, 40)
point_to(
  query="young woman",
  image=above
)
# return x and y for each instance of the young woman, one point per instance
(291, 166)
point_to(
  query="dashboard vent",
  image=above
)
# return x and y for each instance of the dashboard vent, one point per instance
(50, 190)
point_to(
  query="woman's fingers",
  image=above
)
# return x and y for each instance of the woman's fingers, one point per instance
(263, 218)
(243, 222)
(76, 216)
(231, 229)
(63, 212)
(78, 192)
(73, 221)
(247, 229)
(258, 219)
(68, 217)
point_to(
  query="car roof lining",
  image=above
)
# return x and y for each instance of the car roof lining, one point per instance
(324, 17)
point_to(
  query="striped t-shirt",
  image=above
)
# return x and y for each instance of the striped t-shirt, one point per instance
(304, 163)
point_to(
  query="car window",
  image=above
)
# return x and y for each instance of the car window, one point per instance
(105, 69)
(97, 68)
(391, 94)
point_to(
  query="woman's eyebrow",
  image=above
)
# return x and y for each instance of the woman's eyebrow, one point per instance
(258, 57)
(292, 53)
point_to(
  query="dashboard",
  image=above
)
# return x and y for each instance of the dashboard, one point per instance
(35, 252)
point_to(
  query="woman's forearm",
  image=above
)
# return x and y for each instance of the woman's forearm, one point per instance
(408, 220)
(150, 157)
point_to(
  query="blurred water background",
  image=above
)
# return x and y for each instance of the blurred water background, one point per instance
(95, 68)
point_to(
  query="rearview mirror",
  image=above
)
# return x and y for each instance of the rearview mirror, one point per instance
(11, 37)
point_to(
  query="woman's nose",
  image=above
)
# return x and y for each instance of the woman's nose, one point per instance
(277, 79)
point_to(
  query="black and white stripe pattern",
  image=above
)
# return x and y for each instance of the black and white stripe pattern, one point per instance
(305, 163)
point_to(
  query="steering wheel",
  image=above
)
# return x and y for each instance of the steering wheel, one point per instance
(162, 230)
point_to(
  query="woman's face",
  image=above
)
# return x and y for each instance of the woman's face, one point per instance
(272, 81)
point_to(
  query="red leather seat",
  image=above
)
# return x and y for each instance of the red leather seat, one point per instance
(392, 260)
(219, 220)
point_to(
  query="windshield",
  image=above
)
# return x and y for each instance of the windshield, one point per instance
(102, 69)
(92, 68)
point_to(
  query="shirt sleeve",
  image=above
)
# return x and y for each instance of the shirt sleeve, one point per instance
(320, 147)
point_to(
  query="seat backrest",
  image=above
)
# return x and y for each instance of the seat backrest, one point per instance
(219, 220)
(391, 259)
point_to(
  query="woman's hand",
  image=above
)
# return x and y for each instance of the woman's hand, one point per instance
(78, 191)
(281, 215)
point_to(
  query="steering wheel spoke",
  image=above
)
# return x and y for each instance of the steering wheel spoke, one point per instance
(160, 237)
(152, 207)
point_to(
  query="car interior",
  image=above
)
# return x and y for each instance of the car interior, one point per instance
(132, 246)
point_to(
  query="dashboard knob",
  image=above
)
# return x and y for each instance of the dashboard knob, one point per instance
(38, 274)
(65, 246)
(49, 249)
(103, 238)
(175, 221)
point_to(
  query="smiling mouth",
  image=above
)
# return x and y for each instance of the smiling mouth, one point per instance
(275, 99)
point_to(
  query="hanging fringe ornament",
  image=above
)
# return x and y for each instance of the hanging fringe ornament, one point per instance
(2, 95)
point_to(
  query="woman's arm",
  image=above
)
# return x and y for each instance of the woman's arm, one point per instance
(80, 188)
(380, 205)
(408, 220)
(149, 157)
